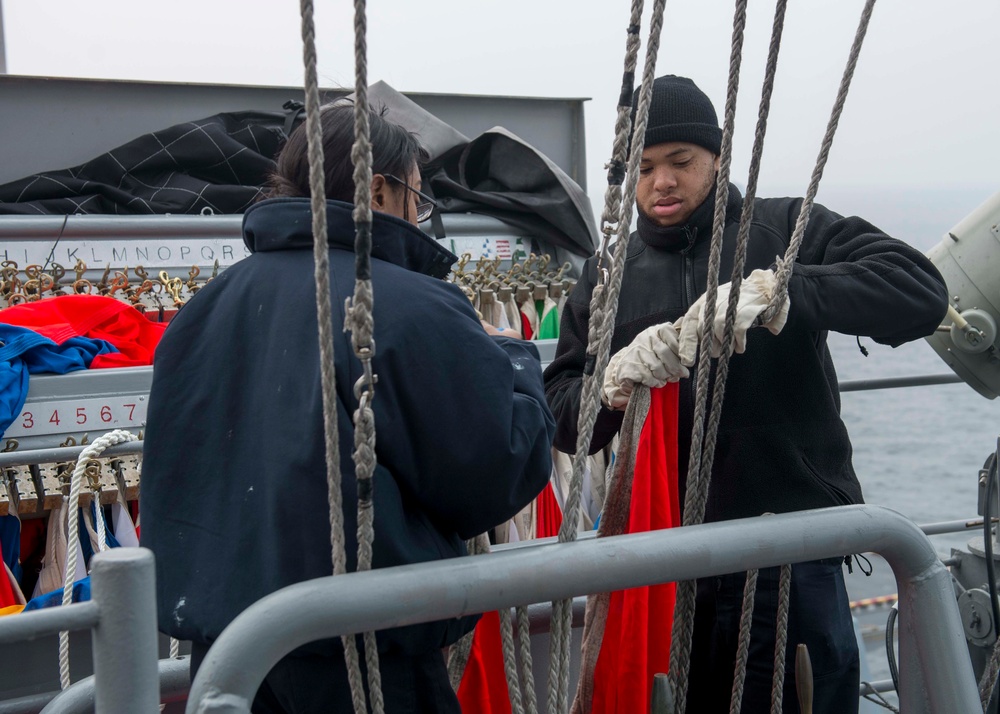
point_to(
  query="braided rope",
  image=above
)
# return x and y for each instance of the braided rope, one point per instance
(604, 305)
(614, 521)
(175, 648)
(784, 268)
(623, 127)
(740, 252)
(364, 458)
(743, 649)
(510, 661)
(781, 639)
(360, 322)
(118, 436)
(101, 525)
(458, 655)
(696, 490)
(527, 673)
(458, 658)
(324, 318)
(988, 682)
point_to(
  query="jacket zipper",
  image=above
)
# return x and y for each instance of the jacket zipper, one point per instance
(687, 277)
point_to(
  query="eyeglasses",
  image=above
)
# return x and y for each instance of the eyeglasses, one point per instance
(426, 204)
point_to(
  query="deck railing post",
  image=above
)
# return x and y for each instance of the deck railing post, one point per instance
(126, 677)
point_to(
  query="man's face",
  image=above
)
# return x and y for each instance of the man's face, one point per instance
(674, 179)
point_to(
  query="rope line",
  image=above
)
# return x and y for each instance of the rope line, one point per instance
(623, 128)
(458, 658)
(325, 335)
(784, 268)
(458, 655)
(71, 505)
(360, 322)
(696, 489)
(614, 521)
(604, 305)
(743, 649)
(527, 673)
(781, 639)
(988, 682)
(704, 438)
(510, 661)
(559, 632)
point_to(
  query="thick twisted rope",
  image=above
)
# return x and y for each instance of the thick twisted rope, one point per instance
(623, 127)
(784, 268)
(527, 674)
(781, 639)
(360, 322)
(604, 305)
(696, 492)
(740, 252)
(458, 658)
(324, 318)
(705, 452)
(510, 661)
(988, 682)
(743, 648)
(458, 655)
(614, 521)
(118, 436)
(101, 526)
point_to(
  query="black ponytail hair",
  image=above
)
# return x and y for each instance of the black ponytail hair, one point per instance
(394, 151)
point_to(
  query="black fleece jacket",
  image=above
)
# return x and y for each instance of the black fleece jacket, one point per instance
(782, 445)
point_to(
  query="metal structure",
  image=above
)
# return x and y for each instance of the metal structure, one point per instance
(935, 672)
(173, 673)
(3, 49)
(122, 617)
(102, 114)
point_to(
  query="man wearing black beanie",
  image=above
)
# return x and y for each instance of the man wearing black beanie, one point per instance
(782, 445)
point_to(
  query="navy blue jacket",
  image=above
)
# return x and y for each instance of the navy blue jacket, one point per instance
(782, 445)
(234, 493)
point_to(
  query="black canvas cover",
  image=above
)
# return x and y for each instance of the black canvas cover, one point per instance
(497, 174)
(220, 164)
(503, 176)
(216, 164)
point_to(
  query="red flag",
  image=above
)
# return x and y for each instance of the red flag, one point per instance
(636, 642)
(549, 519)
(484, 684)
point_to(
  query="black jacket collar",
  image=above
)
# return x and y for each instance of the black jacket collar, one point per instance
(681, 238)
(286, 224)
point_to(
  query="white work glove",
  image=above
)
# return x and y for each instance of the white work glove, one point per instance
(755, 294)
(650, 359)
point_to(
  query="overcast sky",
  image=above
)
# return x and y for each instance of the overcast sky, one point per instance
(923, 111)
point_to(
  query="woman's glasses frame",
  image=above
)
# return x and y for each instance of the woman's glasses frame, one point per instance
(425, 204)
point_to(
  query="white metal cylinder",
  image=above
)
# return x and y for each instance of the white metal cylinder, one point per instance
(969, 260)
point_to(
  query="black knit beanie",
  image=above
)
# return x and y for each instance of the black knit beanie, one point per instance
(679, 111)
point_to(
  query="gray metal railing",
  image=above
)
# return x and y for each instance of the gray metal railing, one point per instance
(122, 615)
(935, 671)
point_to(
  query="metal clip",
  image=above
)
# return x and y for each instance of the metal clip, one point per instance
(80, 268)
(365, 386)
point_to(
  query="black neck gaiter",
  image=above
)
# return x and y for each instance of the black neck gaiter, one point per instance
(676, 238)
